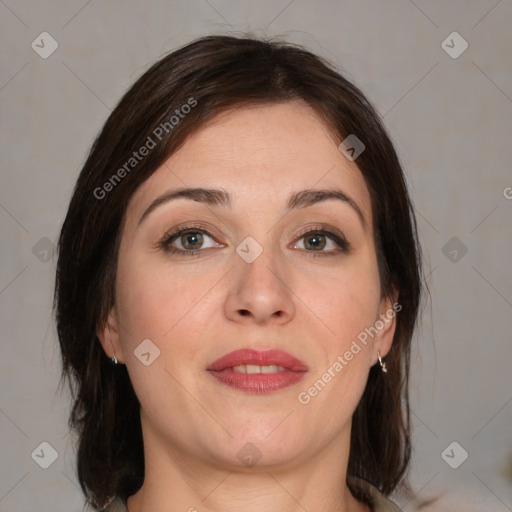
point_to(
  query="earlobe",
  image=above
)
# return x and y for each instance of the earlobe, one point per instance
(387, 322)
(109, 338)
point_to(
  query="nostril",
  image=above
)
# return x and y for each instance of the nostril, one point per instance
(244, 312)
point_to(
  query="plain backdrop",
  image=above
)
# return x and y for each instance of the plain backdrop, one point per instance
(448, 109)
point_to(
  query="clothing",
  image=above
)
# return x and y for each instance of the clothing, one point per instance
(117, 505)
(380, 502)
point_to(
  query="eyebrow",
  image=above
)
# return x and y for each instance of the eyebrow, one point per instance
(215, 197)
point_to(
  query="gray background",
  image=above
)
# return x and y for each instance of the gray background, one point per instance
(450, 120)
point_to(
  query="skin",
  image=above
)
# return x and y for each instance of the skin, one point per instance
(198, 308)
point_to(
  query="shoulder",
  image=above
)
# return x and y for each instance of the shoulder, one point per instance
(379, 502)
(116, 505)
(383, 504)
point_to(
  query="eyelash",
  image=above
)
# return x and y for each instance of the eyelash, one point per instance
(336, 237)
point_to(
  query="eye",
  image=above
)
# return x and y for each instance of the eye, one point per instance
(316, 240)
(189, 241)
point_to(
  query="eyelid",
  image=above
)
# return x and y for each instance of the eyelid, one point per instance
(324, 229)
(330, 232)
(174, 233)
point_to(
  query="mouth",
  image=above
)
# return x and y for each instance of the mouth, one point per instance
(258, 372)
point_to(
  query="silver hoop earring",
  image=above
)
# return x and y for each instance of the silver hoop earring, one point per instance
(382, 363)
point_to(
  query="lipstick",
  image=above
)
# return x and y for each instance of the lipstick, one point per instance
(258, 372)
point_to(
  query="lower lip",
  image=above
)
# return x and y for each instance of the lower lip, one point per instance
(258, 382)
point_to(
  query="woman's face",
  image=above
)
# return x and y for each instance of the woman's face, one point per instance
(256, 274)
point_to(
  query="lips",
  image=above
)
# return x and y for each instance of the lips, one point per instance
(254, 357)
(258, 372)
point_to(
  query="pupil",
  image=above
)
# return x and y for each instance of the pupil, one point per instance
(195, 237)
(318, 242)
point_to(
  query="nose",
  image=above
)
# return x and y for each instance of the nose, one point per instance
(260, 292)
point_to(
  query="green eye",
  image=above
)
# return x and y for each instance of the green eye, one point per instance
(192, 238)
(316, 240)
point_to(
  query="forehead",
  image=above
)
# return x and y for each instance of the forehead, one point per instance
(259, 154)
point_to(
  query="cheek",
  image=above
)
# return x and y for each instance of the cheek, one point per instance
(169, 308)
(348, 302)
(153, 300)
(340, 373)
(155, 304)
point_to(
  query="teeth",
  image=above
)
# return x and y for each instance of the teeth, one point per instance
(254, 368)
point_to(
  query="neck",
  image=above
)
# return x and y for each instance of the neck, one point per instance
(176, 481)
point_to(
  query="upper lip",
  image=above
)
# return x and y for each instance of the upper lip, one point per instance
(251, 356)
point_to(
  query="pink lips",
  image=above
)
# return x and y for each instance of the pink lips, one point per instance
(293, 370)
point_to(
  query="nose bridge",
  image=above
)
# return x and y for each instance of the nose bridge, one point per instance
(258, 262)
(259, 288)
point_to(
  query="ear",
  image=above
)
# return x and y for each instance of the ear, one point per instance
(388, 310)
(109, 337)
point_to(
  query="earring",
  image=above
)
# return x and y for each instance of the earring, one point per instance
(113, 358)
(382, 363)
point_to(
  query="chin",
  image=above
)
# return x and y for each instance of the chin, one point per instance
(258, 450)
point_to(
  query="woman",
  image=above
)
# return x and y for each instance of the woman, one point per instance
(237, 286)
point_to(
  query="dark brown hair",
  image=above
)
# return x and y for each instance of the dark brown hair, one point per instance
(219, 73)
